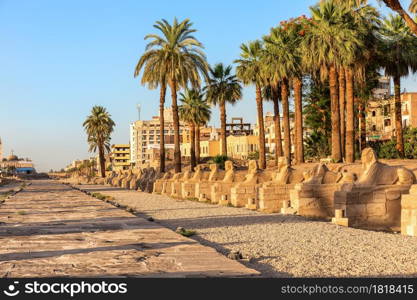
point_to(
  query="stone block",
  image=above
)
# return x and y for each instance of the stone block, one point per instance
(376, 209)
(288, 211)
(341, 221)
(356, 210)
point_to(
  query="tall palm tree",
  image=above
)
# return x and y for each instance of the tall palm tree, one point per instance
(99, 126)
(183, 63)
(329, 45)
(223, 87)
(400, 59)
(154, 74)
(250, 70)
(194, 110)
(284, 57)
(396, 6)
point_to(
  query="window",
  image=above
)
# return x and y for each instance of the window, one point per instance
(373, 127)
(373, 113)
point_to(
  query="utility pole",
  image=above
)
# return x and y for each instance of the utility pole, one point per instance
(138, 107)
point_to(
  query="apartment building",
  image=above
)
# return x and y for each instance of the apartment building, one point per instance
(120, 157)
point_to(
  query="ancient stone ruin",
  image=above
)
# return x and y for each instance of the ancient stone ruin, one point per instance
(377, 196)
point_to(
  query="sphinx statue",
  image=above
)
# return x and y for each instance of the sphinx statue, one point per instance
(176, 186)
(126, 180)
(203, 187)
(245, 190)
(188, 186)
(220, 191)
(377, 173)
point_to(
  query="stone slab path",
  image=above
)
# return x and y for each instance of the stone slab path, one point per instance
(52, 230)
(279, 245)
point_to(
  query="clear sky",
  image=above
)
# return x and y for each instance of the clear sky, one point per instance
(60, 58)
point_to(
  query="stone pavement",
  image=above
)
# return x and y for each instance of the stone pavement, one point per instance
(52, 230)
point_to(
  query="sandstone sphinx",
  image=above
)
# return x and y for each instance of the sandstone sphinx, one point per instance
(314, 197)
(244, 192)
(188, 186)
(116, 179)
(203, 187)
(125, 183)
(272, 194)
(158, 186)
(220, 191)
(176, 184)
(110, 177)
(374, 200)
(133, 182)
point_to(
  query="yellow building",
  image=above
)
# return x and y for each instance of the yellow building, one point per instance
(120, 156)
(240, 147)
(380, 116)
(207, 149)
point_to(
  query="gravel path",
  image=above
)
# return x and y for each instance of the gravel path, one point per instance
(280, 245)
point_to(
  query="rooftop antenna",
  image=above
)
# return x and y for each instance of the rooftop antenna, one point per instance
(138, 108)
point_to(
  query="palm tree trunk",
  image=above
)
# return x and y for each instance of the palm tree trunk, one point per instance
(197, 144)
(334, 99)
(398, 116)
(223, 127)
(162, 128)
(298, 106)
(396, 6)
(342, 107)
(176, 121)
(260, 109)
(277, 123)
(286, 117)
(350, 117)
(192, 146)
(362, 124)
(102, 160)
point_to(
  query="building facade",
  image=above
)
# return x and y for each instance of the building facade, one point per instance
(145, 138)
(380, 117)
(120, 157)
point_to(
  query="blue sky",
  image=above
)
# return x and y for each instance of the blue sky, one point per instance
(59, 58)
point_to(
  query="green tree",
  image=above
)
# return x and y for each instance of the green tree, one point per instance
(330, 44)
(99, 126)
(251, 70)
(193, 110)
(398, 46)
(283, 56)
(223, 87)
(183, 62)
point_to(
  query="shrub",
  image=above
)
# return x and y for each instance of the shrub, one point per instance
(220, 160)
(253, 155)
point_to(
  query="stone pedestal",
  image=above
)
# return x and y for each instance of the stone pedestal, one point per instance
(340, 219)
(409, 213)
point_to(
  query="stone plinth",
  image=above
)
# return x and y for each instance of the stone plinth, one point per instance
(271, 197)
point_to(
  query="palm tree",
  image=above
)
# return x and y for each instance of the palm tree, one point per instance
(194, 110)
(330, 44)
(99, 127)
(154, 74)
(250, 70)
(283, 56)
(223, 87)
(396, 6)
(183, 63)
(400, 59)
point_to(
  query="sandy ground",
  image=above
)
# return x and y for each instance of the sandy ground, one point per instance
(280, 245)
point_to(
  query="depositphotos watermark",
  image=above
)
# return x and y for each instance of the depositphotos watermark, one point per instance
(70, 289)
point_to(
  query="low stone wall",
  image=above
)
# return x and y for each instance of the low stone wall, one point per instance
(372, 207)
